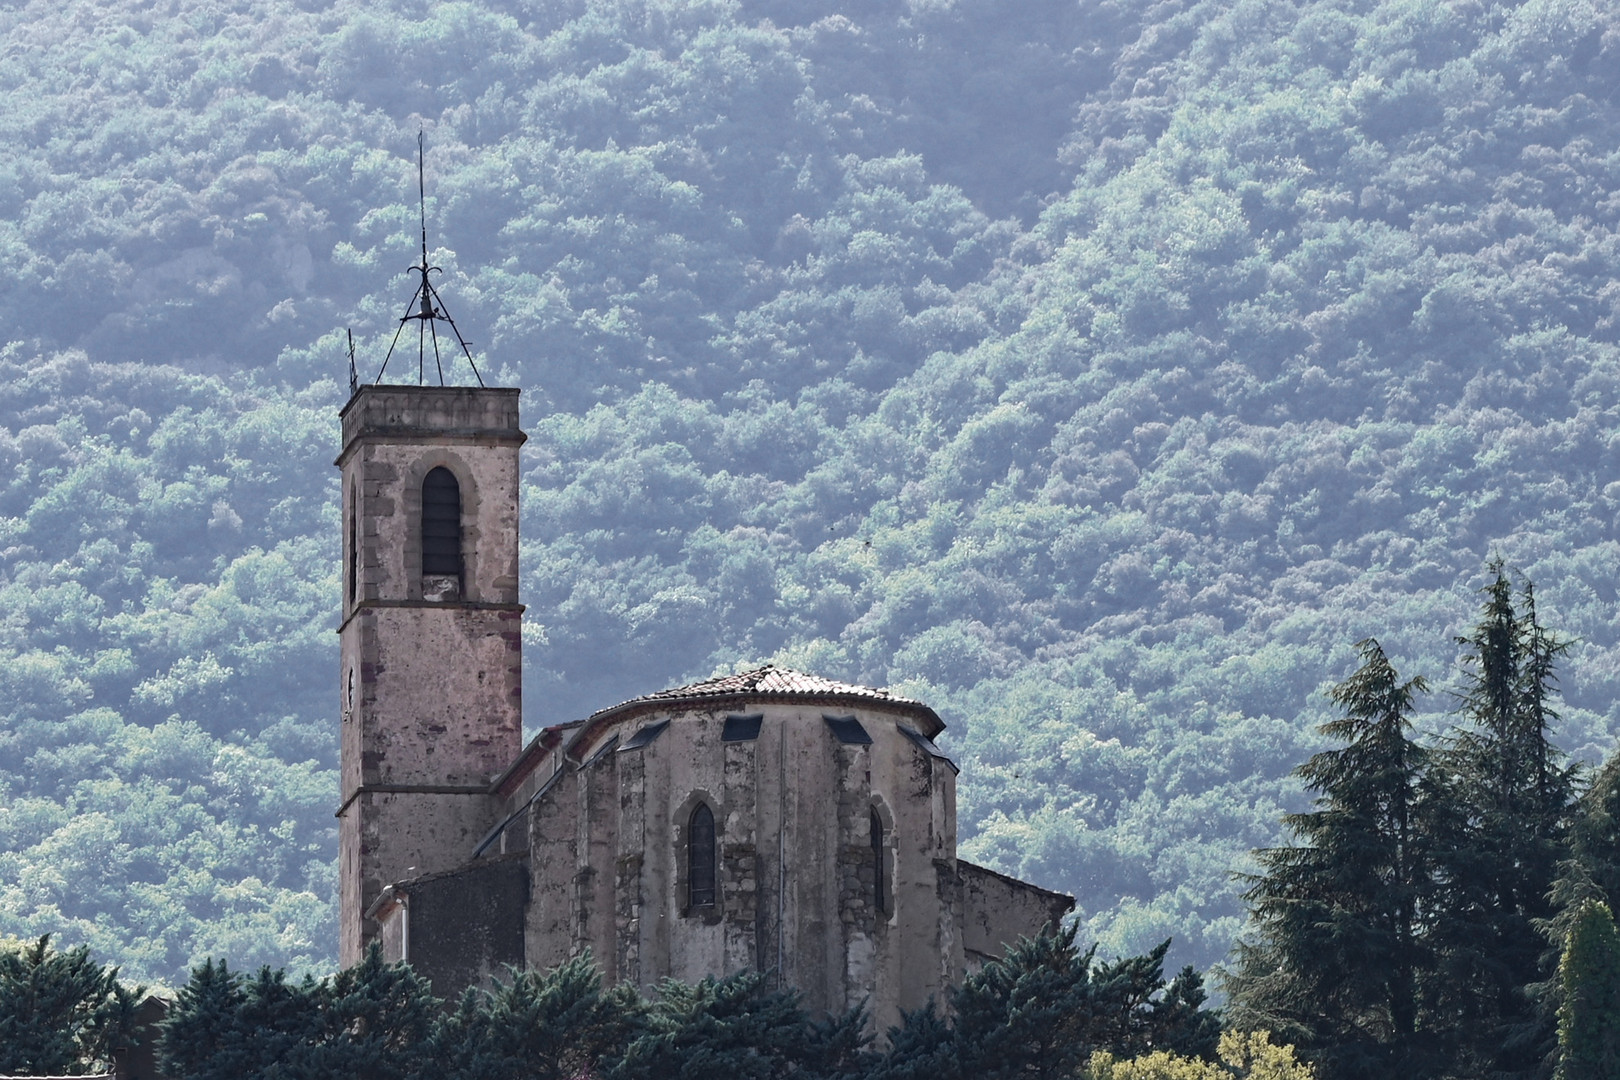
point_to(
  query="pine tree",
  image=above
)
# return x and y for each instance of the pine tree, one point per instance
(921, 1047)
(200, 1039)
(1030, 1013)
(1337, 959)
(374, 1023)
(1499, 835)
(1589, 1015)
(1046, 1006)
(739, 1028)
(368, 1022)
(1592, 869)
(60, 1012)
(553, 1025)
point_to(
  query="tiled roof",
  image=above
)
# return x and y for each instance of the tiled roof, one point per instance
(765, 683)
(769, 681)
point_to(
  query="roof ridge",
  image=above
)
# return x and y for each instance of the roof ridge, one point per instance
(768, 678)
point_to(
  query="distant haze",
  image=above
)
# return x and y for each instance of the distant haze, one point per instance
(1097, 372)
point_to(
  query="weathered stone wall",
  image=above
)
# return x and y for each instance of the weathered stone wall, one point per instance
(795, 875)
(998, 910)
(431, 681)
(460, 928)
(431, 685)
(439, 694)
(392, 437)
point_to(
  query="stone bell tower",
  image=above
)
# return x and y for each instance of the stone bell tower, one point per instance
(431, 638)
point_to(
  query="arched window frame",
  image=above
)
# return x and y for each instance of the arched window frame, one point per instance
(881, 838)
(437, 561)
(702, 859)
(354, 545)
(880, 892)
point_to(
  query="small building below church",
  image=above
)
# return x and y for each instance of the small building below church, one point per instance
(769, 820)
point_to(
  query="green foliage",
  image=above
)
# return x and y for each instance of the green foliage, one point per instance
(920, 1047)
(739, 1026)
(1408, 931)
(1045, 1007)
(60, 1012)
(1098, 371)
(378, 1020)
(1589, 1015)
(372, 1020)
(555, 1025)
(1499, 834)
(1242, 1055)
(1340, 916)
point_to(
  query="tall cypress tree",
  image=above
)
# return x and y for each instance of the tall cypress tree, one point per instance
(1589, 1015)
(1591, 872)
(1337, 959)
(1499, 836)
(1593, 867)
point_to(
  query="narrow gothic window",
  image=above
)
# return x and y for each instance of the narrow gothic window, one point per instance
(441, 523)
(877, 861)
(354, 554)
(700, 858)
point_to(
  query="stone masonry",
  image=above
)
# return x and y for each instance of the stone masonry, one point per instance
(703, 830)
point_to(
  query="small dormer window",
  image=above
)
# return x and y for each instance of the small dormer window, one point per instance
(441, 524)
(742, 728)
(700, 857)
(848, 730)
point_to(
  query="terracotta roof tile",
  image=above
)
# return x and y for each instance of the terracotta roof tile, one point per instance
(769, 681)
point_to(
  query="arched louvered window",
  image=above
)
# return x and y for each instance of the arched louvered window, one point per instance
(441, 523)
(879, 891)
(700, 858)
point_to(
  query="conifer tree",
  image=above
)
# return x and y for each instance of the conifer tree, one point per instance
(1589, 1015)
(551, 1025)
(201, 1039)
(368, 1022)
(1499, 835)
(375, 1019)
(1046, 1006)
(921, 1047)
(738, 1027)
(1337, 959)
(1592, 869)
(1590, 873)
(60, 1012)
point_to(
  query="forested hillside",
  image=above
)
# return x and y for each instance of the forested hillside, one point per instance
(1097, 371)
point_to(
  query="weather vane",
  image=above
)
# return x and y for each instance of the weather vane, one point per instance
(426, 308)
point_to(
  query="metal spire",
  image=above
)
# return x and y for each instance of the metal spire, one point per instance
(354, 373)
(428, 306)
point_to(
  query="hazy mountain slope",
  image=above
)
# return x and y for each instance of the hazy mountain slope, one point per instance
(165, 784)
(1100, 373)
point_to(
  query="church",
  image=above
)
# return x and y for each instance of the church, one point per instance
(769, 819)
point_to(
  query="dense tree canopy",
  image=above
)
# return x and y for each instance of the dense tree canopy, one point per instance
(1097, 371)
(379, 1020)
(61, 1012)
